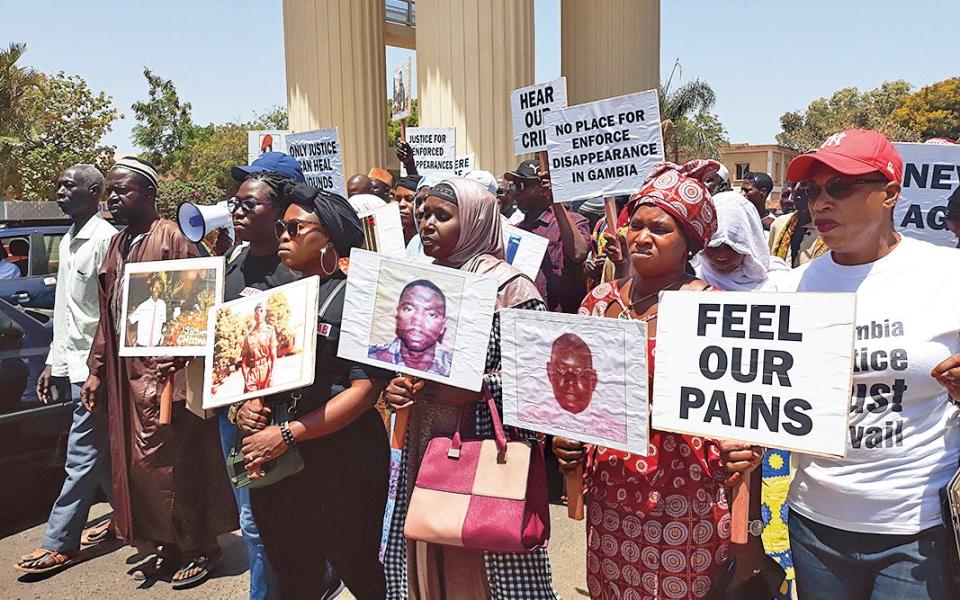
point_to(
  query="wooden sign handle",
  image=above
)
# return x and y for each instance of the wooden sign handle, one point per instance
(403, 130)
(544, 166)
(739, 533)
(400, 421)
(573, 481)
(610, 212)
(166, 401)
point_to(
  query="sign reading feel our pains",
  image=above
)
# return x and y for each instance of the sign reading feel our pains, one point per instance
(762, 368)
(603, 148)
(434, 148)
(931, 174)
(529, 105)
(318, 153)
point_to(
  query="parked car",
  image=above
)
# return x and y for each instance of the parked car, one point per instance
(35, 249)
(33, 436)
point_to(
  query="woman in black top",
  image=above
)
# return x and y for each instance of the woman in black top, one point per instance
(334, 506)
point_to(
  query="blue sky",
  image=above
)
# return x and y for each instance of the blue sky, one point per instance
(763, 57)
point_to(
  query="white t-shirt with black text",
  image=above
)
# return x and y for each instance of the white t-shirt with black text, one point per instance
(904, 433)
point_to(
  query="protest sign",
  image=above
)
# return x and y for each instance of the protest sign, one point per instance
(318, 153)
(603, 148)
(464, 164)
(528, 105)
(272, 140)
(402, 96)
(165, 306)
(434, 149)
(931, 173)
(759, 367)
(579, 377)
(423, 320)
(383, 231)
(523, 249)
(262, 344)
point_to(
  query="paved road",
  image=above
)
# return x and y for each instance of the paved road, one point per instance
(104, 575)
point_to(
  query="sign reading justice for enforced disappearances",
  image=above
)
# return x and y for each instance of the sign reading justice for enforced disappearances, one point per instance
(931, 174)
(434, 148)
(318, 153)
(762, 368)
(603, 148)
(529, 105)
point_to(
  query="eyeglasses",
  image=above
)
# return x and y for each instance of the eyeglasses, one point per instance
(837, 188)
(576, 372)
(247, 205)
(292, 227)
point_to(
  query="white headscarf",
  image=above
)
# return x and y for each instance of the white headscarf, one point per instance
(739, 227)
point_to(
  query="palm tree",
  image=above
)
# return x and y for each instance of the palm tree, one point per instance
(681, 106)
(20, 88)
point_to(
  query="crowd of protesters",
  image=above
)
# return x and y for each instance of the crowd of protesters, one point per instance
(868, 526)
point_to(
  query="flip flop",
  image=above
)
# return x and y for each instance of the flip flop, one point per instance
(206, 565)
(97, 534)
(155, 568)
(59, 561)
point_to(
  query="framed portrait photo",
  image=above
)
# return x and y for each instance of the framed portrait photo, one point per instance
(165, 303)
(579, 377)
(423, 320)
(262, 344)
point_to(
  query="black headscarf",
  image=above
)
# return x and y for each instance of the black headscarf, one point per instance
(337, 216)
(409, 182)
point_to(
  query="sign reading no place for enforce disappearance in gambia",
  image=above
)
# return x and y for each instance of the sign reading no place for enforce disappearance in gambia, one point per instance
(763, 368)
(603, 148)
(434, 148)
(529, 105)
(318, 153)
(931, 175)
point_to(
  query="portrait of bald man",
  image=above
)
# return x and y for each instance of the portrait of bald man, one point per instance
(571, 373)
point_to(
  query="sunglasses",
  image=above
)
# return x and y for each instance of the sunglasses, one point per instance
(247, 205)
(575, 371)
(837, 188)
(292, 227)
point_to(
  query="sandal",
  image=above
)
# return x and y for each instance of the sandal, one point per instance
(98, 533)
(42, 560)
(155, 568)
(203, 565)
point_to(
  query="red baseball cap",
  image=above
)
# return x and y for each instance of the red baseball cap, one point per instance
(851, 152)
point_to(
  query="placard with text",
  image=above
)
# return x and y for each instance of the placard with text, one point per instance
(528, 106)
(763, 368)
(434, 149)
(320, 158)
(931, 174)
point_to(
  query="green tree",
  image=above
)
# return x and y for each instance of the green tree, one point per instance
(688, 129)
(932, 111)
(164, 126)
(20, 90)
(69, 128)
(698, 137)
(847, 109)
(393, 127)
(173, 191)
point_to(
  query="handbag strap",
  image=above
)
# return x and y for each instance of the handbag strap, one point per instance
(333, 296)
(498, 433)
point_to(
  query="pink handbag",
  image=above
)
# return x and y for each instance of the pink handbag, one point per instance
(481, 494)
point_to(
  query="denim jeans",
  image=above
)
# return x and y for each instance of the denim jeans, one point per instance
(87, 467)
(846, 565)
(263, 580)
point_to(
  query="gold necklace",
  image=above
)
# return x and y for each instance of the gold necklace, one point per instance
(625, 315)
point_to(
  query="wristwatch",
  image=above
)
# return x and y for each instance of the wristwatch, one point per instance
(755, 528)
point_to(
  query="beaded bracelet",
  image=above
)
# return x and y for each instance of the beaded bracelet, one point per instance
(287, 435)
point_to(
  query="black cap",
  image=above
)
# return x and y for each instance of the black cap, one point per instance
(953, 206)
(761, 180)
(527, 171)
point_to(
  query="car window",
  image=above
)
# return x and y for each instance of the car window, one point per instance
(44, 253)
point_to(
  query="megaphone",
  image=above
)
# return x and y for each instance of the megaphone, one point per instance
(197, 221)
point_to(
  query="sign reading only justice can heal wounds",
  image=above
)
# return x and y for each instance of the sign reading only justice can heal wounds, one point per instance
(931, 175)
(318, 153)
(762, 368)
(603, 148)
(528, 106)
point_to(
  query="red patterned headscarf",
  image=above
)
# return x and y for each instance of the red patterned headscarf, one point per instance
(677, 191)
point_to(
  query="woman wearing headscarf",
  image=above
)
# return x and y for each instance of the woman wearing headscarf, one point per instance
(736, 258)
(335, 504)
(869, 525)
(461, 229)
(657, 526)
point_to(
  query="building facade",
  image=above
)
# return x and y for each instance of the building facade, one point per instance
(771, 159)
